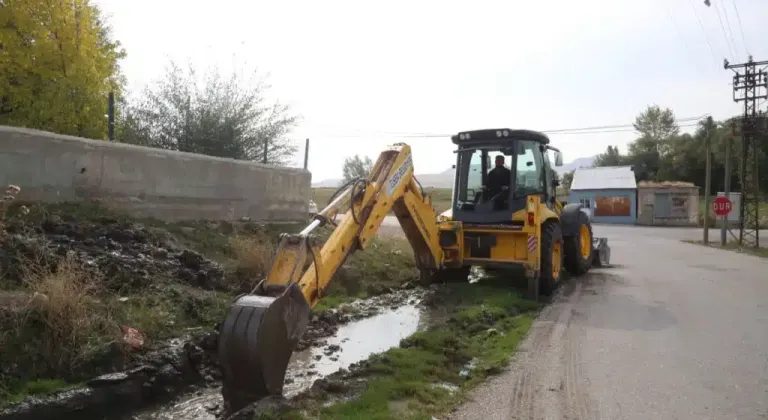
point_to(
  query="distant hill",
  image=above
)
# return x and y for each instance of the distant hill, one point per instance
(445, 179)
(583, 162)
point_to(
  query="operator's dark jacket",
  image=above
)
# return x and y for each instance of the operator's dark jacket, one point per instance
(498, 177)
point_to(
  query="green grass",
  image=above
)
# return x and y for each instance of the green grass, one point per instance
(482, 323)
(40, 387)
(733, 246)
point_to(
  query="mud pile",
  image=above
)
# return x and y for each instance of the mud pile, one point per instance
(124, 253)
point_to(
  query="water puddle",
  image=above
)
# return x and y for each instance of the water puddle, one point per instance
(202, 405)
(352, 343)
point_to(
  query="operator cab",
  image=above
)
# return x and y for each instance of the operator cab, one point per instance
(497, 169)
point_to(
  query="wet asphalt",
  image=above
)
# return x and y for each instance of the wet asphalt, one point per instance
(671, 331)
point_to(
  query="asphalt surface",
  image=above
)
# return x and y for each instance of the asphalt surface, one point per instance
(671, 331)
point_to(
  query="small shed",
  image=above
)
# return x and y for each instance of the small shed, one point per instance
(668, 203)
(608, 194)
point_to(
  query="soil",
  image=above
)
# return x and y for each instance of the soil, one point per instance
(127, 254)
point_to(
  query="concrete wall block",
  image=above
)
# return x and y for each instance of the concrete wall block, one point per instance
(150, 182)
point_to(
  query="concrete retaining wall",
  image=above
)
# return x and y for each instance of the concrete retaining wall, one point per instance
(149, 182)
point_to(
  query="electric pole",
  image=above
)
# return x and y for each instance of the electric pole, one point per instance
(727, 187)
(749, 85)
(708, 179)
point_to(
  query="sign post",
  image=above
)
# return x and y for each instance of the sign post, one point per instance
(722, 206)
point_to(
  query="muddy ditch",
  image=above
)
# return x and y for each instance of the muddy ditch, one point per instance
(181, 379)
(336, 340)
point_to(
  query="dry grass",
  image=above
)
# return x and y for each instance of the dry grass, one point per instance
(64, 303)
(253, 259)
(11, 192)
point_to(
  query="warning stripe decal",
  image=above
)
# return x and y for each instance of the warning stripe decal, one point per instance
(531, 243)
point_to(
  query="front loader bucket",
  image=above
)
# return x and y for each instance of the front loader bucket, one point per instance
(601, 252)
(256, 341)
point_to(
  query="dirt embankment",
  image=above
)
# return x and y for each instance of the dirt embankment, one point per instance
(105, 311)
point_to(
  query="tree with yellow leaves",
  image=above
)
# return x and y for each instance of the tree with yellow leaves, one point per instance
(57, 65)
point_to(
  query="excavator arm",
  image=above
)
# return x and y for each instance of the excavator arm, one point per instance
(260, 332)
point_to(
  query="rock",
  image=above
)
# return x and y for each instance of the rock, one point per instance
(270, 405)
(191, 259)
(328, 385)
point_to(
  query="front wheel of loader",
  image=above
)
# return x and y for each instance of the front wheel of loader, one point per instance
(578, 248)
(551, 257)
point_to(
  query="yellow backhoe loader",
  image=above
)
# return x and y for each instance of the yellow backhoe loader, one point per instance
(500, 217)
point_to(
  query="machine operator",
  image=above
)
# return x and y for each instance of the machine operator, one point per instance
(498, 180)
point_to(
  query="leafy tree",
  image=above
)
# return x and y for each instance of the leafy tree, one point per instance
(662, 153)
(217, 116)
(567, 180)
(656, 124)
(58, 62)
(657, 128)
(611, 157)
(356, 167)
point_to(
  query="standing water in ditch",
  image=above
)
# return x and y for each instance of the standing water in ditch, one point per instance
(351, 343)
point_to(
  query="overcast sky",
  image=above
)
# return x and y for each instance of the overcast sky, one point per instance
(356, 70)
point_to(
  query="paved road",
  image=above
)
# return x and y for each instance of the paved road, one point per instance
(672, 331)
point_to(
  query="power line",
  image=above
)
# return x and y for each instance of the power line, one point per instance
(730, 31)
(618, 126)
(626, 130)
(703, 30)
(725, 35)
(674, 24)
(692, 121)
(741, 27)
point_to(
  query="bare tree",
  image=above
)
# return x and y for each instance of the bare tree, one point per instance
(218, 116)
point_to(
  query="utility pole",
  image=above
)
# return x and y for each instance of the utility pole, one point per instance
(266, 149)
(707, 179)
(306, 154)
(727, 189)
(749, 85)
(111, 116)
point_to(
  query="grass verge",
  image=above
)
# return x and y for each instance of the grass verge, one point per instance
(733, 246)
(479, 326)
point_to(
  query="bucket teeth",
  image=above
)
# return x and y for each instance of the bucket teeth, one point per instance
(256, 341)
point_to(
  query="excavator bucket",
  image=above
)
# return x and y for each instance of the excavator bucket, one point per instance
(601, 254)
(256, 341)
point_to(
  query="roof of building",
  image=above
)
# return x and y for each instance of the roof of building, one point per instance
(604, 178)
(666, 184)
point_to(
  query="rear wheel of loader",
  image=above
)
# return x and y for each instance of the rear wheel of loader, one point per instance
(551, 257)
(446, 275)
(578, 248)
